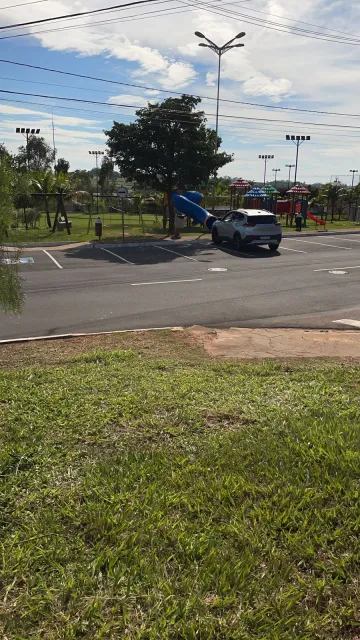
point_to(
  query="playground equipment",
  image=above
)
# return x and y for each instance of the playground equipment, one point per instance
(254, 198)
(188, 204)
(237, 188)
(314, 219)
(271, 198)
(299, 196)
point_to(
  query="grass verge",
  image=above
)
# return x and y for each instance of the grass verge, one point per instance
(152, 492)
(135, 230)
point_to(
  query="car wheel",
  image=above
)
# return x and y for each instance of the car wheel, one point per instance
(215, 236)
(274, 247)
(237, 242)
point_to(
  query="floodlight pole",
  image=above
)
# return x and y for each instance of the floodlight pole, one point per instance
(25, 132)
(297, 140)
(353, 171)
(265, 158)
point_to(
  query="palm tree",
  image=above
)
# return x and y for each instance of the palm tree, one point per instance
(44, 184)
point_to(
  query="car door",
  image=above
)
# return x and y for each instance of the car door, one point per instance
(237, 223)
(225, 226)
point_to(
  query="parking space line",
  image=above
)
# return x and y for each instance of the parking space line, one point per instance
(296, 250)
(178, 254)
(351, 323)
(344, 239)
(330, 268)
(140, 284)
(321, 243)
(53, 259)
(116, 255)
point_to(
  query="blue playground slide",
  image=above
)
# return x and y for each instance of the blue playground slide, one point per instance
(188, 204)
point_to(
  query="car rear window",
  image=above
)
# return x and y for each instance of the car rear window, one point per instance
(254, 220)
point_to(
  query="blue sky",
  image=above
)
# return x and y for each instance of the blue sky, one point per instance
(161, 51)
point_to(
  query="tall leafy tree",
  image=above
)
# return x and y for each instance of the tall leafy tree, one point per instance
(62, 166)
(11, 297)
(37, 155)
(106, 175)
(169, 146)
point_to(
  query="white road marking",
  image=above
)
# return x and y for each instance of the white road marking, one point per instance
(329, 268)
(139, 284)
(344, 239)
(52, 258)
(352, 323)
(296, 250)
(116, 255)
(321, 243)
(176, 253)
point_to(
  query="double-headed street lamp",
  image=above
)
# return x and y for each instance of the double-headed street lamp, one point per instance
(265, 158)
(353, 171)
(290, 166)
(26, 132)
(96, 154)
(297, 140)
(219, 52)
(276, 172)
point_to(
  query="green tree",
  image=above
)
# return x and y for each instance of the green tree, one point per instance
(62, 166)
(37, 155)
(106, 175)
(11, 296)
(82, 180)
(168, 147)
(44, 185)
(22, 189)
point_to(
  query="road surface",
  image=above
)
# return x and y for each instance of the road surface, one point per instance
(312, 282)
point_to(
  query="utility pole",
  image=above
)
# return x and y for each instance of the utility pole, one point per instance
(353, 171)
(53, 137)
(290, 167)
(297, 140)
(219, 51)
(276, 172)
(96, 154)
(265, 158)
(25, 132)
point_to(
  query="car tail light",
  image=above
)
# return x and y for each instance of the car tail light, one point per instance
(247, 224)
(277, 223)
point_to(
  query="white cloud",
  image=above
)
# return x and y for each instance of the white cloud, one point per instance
(129, 99)
(265, 86)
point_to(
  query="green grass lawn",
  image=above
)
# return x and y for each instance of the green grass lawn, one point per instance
(136, 229)
(151, 492)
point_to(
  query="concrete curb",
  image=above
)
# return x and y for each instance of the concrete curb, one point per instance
(64, 336)
(165, 243)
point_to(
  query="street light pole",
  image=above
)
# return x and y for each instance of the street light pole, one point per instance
(96, 154)
(25, 133)
(276, 172)
(265, 158)
(290, 167)
(297, 140)
(353, 171)
(219, 51)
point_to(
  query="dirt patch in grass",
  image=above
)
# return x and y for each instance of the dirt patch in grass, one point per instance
(260, 344)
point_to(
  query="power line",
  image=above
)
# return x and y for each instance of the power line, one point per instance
(178, 93)
(79, 13)
(179, 111)
(260, 127)
(280, 27)
(23, 4)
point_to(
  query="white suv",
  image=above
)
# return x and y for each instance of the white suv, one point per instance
(245, 227)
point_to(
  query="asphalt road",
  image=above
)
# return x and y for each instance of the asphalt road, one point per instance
(75, 290)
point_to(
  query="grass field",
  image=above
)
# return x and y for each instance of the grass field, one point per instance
(150, 492)
(136, 229)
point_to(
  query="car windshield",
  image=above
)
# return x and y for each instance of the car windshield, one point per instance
(254, 220)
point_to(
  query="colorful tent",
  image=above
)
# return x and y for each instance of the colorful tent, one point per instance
(270, 190)
(240, 183)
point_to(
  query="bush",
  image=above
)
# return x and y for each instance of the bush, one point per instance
(27, 217)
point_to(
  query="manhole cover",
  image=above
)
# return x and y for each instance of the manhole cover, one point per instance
(338, 272)
(217, 269)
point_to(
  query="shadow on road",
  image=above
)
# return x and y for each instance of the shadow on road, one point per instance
(204, 253)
